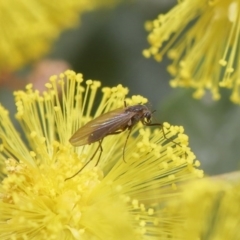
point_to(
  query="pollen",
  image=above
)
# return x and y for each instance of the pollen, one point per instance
(142, 223)
(150, 211)
(135, 203)
(33, 154)
(48, 85)
(89, 82)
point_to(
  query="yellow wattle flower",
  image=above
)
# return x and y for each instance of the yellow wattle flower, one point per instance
(113, 200)
(28, 28)
(211, 210)
(203, 41)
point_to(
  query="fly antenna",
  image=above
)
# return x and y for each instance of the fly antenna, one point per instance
(154, 111)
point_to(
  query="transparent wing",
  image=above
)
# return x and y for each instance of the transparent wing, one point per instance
(101, 126)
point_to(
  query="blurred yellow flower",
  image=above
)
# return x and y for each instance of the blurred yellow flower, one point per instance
(28, 28)
(113, 200)
(203, 41)
(211, 210)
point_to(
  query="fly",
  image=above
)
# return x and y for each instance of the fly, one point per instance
(112, 123)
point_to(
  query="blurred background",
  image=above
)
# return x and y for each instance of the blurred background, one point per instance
(107, 45)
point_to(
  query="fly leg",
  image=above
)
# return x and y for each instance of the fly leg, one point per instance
(101, 149)
(125, 144)
(100, 154)
(164, 135)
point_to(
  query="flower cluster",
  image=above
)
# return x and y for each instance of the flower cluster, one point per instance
(203, 41)
(211, 210)
(113, 200)
(28, 28)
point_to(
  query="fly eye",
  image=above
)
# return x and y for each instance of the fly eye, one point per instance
(148, 117)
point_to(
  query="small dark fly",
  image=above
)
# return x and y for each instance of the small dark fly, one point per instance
(111, 123)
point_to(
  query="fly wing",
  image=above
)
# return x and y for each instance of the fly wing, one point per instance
(101, 126)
